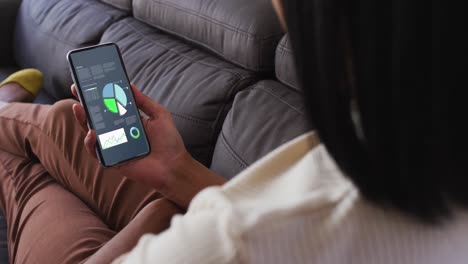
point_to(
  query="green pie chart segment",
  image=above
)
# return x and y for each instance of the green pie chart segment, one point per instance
(111, 104)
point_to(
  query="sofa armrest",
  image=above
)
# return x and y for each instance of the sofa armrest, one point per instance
(8, 12)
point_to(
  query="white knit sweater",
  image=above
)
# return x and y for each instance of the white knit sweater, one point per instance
(295, 206)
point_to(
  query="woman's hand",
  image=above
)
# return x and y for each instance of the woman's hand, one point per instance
(169, 168)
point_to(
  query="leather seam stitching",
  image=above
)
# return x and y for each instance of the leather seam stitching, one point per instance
(235, 30)
(229, 59)
(118, 5)
(216, 22)
(280, 99)
(237, 75)
(222, 112)
(231, 151)
(193, 119)
(44, 30)
(282, 50)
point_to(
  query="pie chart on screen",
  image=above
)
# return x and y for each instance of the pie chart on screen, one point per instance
(115, 99)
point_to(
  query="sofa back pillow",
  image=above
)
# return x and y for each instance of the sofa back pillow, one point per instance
(244, 32)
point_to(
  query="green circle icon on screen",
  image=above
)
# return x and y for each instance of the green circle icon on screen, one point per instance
(134, 133)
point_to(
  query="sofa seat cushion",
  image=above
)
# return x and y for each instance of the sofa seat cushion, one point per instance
(261, 119)
(244, 32)
(195, 86)
(44, 98)
(47, 29)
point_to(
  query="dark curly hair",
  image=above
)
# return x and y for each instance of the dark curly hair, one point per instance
(386, 97)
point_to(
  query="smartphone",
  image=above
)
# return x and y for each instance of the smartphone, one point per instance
(104, 91)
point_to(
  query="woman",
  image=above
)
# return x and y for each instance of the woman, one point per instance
(386, 185)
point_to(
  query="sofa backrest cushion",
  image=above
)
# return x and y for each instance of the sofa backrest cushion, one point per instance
(195, 86)
(244, 32)
(285, 67)
(121, 4)
(47, 29)
(261, 119)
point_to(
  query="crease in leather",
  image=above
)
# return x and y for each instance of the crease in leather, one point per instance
(119, 4)
(213, 50)
(260, 42)
(235, 74)
(226, 26)
(40, 26)
(284, 61)
(245, 141)
(262, 87)
(230, 150)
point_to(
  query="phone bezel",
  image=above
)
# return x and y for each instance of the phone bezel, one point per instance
(83, 102)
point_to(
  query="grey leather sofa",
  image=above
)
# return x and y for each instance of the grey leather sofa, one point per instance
(224, 68)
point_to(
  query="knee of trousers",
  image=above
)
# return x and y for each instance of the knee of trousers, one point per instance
(60, 117)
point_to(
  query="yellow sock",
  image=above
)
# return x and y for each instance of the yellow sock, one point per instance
(30, 79)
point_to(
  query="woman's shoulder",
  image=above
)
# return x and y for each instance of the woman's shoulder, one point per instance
(297, 177)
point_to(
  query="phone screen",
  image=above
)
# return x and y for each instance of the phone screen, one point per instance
(106, 94)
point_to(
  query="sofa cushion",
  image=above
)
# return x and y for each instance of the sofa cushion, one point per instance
(285, 64)
(47, 29)
(44, 98)
(125, 5)
(195, 86)
(261, 119)
(244, 32)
